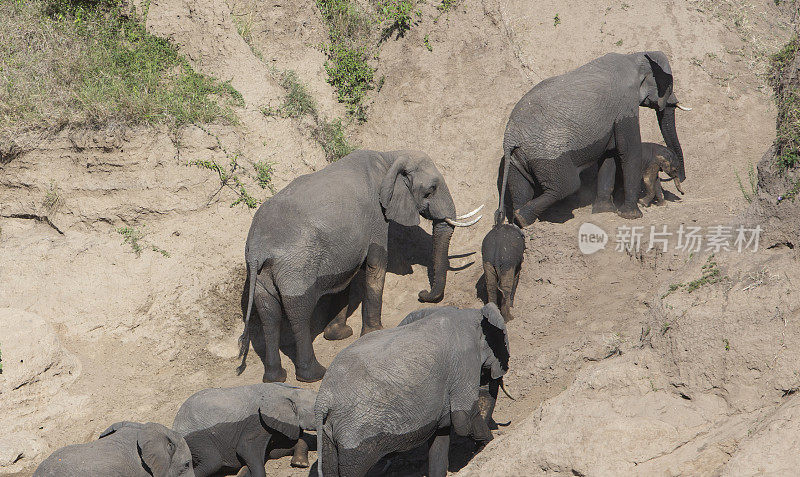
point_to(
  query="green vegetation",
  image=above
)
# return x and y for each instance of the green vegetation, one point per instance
(665, 327)
(330, 134)
(752, 190)
(618, 43)
(556, 20)
(710, 273)
(787, 96)
(135, 238)
(264, 175)
(727, 344)
(298, 100)
(426, 41)
(397, 16)
(447, 5)
(229, 178)
(89, 63)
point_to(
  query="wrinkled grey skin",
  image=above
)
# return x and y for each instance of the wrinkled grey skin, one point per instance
(503, 251)
(583, 117)
(393, 390)
(126, 449)
(312, 237)
(227, 426)
(657, 158)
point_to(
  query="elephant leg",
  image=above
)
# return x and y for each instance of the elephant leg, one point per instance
(375, 268)
(300, 454)
(491, 282)
(520, 191)
(659, 192)
(559, 178)
(606, 175)
(270, 314)
(338, 329)
(629, 146)
(439, 453)
(252, 448)
(299, 310)
(329, 455)
(506, 288)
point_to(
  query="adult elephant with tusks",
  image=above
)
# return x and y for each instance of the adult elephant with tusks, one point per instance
(313, 236)
(583, 117)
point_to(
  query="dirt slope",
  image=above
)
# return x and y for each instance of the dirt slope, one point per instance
(146, 332)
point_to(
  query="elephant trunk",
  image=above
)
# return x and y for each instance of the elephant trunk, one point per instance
(666, 122)
(442, 232)
(678, 185)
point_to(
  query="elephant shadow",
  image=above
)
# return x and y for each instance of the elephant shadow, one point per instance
(414, 463)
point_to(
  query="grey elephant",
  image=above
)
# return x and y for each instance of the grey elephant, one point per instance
(396, 389)
(313, 236)
(225, 427)
(126, 449)
(657, 158)
(581, 118)
(503, 251)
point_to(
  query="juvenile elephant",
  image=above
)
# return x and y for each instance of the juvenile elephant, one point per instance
(313, 236)
(657, 158)
(126, 449)
(583, 117)
(393, 390)
(503, 251)
(246, 424)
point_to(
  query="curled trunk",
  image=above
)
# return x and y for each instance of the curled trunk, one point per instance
(666, 122)
(442, 232)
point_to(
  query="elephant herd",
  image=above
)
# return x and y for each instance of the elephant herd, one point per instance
(438, 373)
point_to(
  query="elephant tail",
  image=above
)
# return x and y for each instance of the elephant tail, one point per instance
(500, 215)
(244, 340)
(320, 439)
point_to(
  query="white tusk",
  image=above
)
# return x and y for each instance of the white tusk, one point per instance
(466, 216)
(463, 224)
(683, 108)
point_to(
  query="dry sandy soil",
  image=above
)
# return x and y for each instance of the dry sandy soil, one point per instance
(610, 376)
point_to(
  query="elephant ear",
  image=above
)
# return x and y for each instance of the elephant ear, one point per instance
(395, 194)
(662, 74)
(281, 415)
(155, 450)
(496, 352)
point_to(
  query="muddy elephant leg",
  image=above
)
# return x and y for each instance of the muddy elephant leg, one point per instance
(506, 287)
(606, 175)
(300, 454)
(659, 192)
(491, 283)
(252, 448)
(439, 453)
(375, 268)
(338, 329)
(271, 316)
(559, 178)
(514, 286)
(299, 311)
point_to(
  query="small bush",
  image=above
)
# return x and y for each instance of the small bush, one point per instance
(332, 138)
(135, 237)
(398, 16)
(786, 84)
(752, 190)
(350, 73)
(298, 100)
(264, 175)
(447, 5)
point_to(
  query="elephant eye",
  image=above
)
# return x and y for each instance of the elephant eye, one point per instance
(428, 192)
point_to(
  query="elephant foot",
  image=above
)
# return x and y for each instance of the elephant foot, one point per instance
(508, 317)
(370, 329)
(337, 331)
(520, 220)
(630, 212)
(299, 462)
(603, 206)
(644, 203)
(310, 374)
(300, 456)
(426, 296)
(274, 376)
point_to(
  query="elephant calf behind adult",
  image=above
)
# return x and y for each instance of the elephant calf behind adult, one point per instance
(313, 236)
(126, 449)
(393, 390)
(586, 116)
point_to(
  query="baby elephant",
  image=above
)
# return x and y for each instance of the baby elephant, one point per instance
(503, 250)
(126, 449)
(394, 389)
(657, 158)
(227, 426)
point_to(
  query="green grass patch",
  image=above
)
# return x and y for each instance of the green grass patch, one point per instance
(786, 85)
(397, 16)
(87, 63)
(447, 5)
(710, 273)
(298, 100)
(331, 137)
